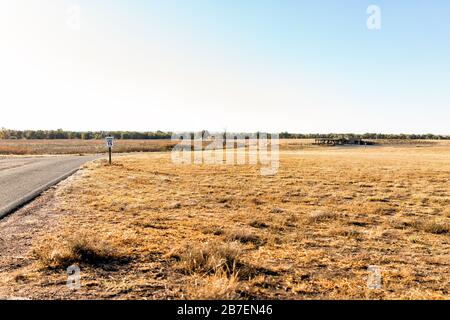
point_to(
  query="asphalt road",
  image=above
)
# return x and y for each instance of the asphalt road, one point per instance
(22, 179)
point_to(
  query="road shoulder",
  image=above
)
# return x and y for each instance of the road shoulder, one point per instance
(17, 234)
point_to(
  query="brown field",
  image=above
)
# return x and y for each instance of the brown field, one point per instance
(145, 228)
(59, 147)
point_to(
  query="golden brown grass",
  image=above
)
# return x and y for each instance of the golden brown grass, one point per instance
(212, 231)
(78, 248)
(219, 286)
(244, 236)
(208, 258)
(56, 147)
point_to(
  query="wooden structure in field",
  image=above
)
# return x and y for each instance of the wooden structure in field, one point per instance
(341, 142)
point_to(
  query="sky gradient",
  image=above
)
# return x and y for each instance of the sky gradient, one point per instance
(239, 65)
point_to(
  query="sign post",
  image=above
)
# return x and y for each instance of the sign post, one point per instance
(110, 145)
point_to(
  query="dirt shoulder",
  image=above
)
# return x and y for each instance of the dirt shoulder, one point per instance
(17, 234)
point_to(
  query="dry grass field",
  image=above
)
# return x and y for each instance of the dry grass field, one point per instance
(58, 147)
(145, 228)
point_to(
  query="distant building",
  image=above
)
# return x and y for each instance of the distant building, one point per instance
(342, 141)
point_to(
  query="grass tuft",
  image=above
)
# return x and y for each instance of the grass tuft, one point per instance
(258, 224)
(434, 227)
(209, 258)
(320, 216)
(77, 249)
(218, 286)
(244, 236)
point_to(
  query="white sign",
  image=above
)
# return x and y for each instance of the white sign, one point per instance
(109, 142)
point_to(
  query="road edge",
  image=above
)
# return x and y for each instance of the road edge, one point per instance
(7, 210)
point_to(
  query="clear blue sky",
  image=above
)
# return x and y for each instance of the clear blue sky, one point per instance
(244, 65)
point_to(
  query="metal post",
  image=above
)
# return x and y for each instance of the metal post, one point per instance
(110, 152)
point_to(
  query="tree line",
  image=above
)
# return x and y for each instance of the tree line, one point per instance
(82, 135)
(369, 136)
(146, 135)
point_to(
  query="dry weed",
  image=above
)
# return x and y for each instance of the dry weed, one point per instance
(80, 248)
